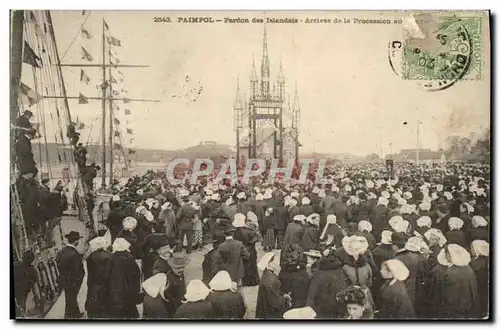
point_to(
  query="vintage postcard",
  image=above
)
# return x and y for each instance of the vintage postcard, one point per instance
(250, 164)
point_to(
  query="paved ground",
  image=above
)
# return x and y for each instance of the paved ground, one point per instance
(192, 271)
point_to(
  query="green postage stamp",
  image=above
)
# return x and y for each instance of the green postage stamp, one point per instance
(439, 50)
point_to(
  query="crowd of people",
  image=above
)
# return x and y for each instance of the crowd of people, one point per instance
(355, 245)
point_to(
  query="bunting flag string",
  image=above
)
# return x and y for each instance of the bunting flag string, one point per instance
(116, 121)
(84, 77)
(129, 131)
(82, 99)
(116, 107)
(28, 96)
(30, 57)
(114, 61)
(86, 55)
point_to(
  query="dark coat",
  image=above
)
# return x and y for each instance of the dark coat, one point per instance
(306, 210)
(248, 237)
(185, 217)
(154, 308)
(477, 233)
(159, 266)
(456, 237)
(395, 303)
(341, 212)
(372, 243)
(282, 218)
(71, 271)
(227, 304)
(380, 220)
(125, 286)
(243, 207)
(292, 212)
(195, 310)
(233, 252)
(415, 263)
(270, 303)
(296, 283)
(174, 293)
(114, 222)
(293, 234)
(212, 264)
(99, 264)
(328, 281)
(459, 299)
(480, 266)
(310, 238)
(382, 253)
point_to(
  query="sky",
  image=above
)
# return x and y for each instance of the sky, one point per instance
(350, 99)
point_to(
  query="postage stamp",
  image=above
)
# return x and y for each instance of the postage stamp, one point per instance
(440, 50)
(237, 165)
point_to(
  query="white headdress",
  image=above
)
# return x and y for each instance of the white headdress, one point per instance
(480, 248)
(455, 223)
(196, 290)
(365, 225)
(121, 244)
(398, 269)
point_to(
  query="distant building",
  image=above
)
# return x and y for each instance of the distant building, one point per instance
(424, 156)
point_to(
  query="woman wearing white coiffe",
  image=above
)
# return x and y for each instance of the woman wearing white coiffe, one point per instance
(454, 291)
(456, 234)
(226, 301)
(479, 230)
(356, 263)
(270, 303)
(195, 305)
(155, 304)
(480, 251)
(248, 238)
(394, 300)
(124, 286)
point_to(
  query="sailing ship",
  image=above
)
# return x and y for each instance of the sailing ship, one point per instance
(38, 87)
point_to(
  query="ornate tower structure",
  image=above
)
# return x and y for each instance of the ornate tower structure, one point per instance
(265, 127)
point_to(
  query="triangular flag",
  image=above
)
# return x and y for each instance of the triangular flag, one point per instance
(82, 99)
(86, 34)
(130, 151)
(114, 61)
(29, 56)
(86, 55)
(117, 133)
(120, 72)
(106, 25)
(126, 100)
(129, 131)
(79, 125)
(113, 80)
(28, 96)
(116, 121)
(121, 80)
(114, 41)
(115, 93)
(84, 12)
(84, 77)
(127, 112)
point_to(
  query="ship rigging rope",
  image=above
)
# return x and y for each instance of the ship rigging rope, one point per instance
(76, 36)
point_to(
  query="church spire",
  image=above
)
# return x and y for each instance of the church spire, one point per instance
(237, 99)
(264, 67)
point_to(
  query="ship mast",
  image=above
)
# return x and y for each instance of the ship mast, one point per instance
(103, 87)
(107, 95)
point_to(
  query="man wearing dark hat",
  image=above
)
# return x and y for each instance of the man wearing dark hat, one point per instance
(71, 274)
(233, 252)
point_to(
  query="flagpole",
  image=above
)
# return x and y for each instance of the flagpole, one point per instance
(111, 132)
(103, 184)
